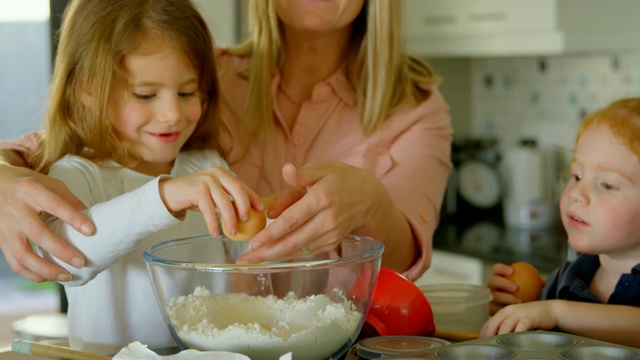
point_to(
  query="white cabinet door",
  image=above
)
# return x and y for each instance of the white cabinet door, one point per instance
(486, 28)
(433, 18)
(442, 28)
(600, 25)
(222, 18)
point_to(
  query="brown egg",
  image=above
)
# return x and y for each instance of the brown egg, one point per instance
(246, 230)
(528, 280)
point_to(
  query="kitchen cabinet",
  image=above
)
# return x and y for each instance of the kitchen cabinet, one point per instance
(445, 28)
(486, 28)
(599, 26)
(223, 18)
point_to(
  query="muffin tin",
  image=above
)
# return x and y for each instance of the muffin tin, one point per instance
(524, 345)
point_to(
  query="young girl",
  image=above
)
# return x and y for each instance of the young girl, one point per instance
(598, 294)
(132, 118)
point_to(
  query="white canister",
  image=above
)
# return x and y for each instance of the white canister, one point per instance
(525, 205)
(535, 215)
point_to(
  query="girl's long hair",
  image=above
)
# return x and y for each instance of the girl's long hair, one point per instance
(381, 73)
(94, 38)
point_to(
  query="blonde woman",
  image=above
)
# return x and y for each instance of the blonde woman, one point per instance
(329, 117)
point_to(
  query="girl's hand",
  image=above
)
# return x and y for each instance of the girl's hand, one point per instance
(502, 288)
(327, 202)
(25, 193)
(208, 191)
(534, 315)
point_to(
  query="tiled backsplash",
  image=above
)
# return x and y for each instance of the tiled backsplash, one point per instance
(545, 98)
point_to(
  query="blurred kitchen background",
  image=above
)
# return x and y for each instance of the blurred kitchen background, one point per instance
(518, 74)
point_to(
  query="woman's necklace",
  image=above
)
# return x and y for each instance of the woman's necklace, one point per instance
(289, 97)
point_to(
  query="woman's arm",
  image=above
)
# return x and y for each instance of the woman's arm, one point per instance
(337, 200)
(24, 194)
(421, 158)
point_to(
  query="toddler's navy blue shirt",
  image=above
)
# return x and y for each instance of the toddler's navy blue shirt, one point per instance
(571, 282)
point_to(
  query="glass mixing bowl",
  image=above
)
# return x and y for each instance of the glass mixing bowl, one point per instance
(312, 306)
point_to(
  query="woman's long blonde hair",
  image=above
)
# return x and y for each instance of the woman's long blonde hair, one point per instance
(94, 38)
(382, 74)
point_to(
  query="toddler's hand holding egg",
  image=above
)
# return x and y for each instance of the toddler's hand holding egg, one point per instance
(528, 280)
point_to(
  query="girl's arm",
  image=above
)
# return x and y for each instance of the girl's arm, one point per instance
(121, 221)
(127, 208)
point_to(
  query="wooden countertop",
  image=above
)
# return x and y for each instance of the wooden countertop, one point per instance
(7, 354)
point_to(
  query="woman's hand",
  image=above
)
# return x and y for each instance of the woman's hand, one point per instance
(25, 193)
(502, 289)
(208, 191)
(540, 315)
(327, 202)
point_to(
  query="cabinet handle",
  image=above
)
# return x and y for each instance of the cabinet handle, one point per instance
(489, 17)
(436, 20)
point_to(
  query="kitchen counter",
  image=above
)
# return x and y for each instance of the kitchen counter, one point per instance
(7, 354)
(491, 242)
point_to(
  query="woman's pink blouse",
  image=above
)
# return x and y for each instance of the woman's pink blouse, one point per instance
(410, 153)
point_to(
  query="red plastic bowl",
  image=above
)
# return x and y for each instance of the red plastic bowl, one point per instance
(398, 307)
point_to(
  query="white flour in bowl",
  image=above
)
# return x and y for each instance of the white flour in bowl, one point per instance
(312, 328)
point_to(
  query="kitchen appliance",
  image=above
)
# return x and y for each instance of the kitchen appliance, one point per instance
(474, 189)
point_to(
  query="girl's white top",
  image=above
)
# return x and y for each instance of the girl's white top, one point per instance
(111, 301)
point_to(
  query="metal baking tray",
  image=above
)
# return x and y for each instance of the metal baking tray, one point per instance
(525, 345)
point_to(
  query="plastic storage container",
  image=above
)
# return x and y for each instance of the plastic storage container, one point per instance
(458, 307)
(385, 346)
